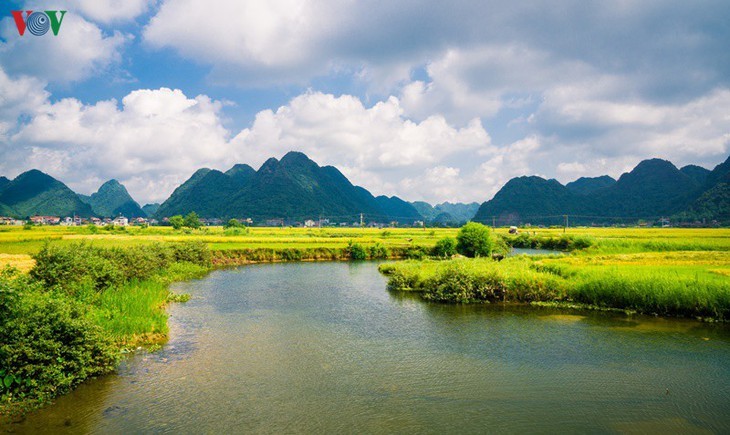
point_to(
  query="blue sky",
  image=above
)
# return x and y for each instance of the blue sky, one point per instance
(436, 101)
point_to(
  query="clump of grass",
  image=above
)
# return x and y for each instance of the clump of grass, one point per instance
(689, 290)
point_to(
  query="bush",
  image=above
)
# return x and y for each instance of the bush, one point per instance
(474, 240)
(356, 251)
(47, 343)
(455, 284)
(378, 251)
(75, 267)
(177, 222)
(445, 248)
(416, 252)
(192, 220)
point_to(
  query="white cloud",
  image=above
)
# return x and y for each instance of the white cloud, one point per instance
(248, 39)
(154, 141)
(107, 11)
(376, 147)
(80, 50)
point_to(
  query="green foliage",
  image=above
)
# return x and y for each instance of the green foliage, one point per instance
(455, 284)
(378, 251)
(27, 226)
(80, 266)
(445, 248)
(356, 251)
(234, 223)
(564, 242)
(474, 240)
(177, 222)
(48, 345)
(613, 282)
(192, 220)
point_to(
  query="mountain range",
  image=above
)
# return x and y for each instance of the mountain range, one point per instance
(655, 188)
(296, 188)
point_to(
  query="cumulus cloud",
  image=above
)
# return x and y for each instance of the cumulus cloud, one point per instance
(108, 11)
(153, 141)
(79, 51)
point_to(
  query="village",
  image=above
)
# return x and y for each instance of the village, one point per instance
(121, 221)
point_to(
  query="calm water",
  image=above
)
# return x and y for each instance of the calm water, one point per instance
(323, 347)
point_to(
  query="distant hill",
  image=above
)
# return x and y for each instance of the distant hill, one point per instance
(207, 192)
(150, 209)
(588, 185)
(654, 188)
(395, 209)
(36, 193)
(460, 212)
(425, 209)
(697, 173)
(3, 182)
(446, 213)
(111, 200)
(294, 188)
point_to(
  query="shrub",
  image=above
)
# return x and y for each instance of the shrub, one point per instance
(356, 251)
(474, 240)
(47, 343)
(378, 251)
(177, 222)
(416, 252)
(192, 220)
(445, 248)
(455, 284)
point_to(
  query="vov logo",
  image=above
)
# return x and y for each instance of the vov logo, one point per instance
(38, 23)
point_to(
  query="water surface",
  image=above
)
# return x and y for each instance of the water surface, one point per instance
(323, 347)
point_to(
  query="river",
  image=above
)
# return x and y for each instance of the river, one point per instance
(324, 347)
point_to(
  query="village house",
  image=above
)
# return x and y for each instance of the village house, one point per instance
(45, 220)
(309, 223)
(120, 221)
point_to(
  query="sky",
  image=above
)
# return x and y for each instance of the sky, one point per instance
(426, 100)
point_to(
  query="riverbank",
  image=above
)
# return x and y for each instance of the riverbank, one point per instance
(684, 278)
(79, 309)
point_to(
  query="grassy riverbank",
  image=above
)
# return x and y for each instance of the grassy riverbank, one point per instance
(72, 300)
(687, 275)
(79, 309)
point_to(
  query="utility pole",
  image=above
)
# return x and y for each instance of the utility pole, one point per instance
(494, 222)
(362, 222)
(566, 223)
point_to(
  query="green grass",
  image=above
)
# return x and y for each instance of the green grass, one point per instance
(671, 273)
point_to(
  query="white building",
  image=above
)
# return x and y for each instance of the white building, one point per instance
(121, 221)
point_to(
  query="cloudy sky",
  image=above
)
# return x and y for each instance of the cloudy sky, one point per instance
(426, 100)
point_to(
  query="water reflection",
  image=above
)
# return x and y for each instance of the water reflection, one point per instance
(324, 348)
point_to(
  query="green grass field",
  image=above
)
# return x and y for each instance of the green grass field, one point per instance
(673, 272)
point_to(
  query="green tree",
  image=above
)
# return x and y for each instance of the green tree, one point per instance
(474, 240)
(192, 220)
(177, 222)
(445, 247)
(233, 223)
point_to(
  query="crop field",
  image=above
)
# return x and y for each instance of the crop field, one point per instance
(682, 272)
(18, 244)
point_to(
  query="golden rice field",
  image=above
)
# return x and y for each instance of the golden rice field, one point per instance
(669, 246)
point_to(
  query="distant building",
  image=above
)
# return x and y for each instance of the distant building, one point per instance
(309, 223)
(45, 220)
(120, 221)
